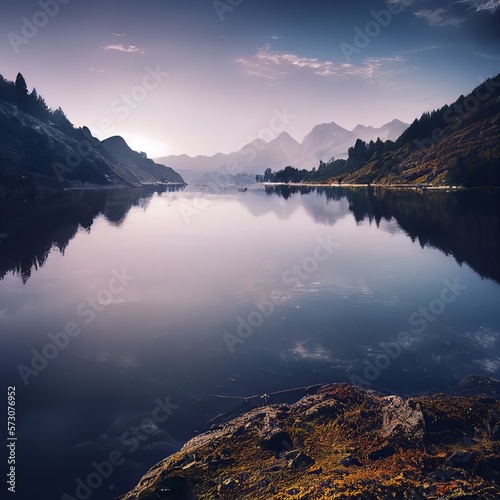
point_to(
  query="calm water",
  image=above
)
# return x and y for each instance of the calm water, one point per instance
(168, 300)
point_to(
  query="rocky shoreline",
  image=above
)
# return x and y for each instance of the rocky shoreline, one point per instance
(342, 441)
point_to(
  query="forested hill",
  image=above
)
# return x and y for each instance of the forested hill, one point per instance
(41, 149)
(458, 144)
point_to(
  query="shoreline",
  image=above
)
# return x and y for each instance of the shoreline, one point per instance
(422, 187)
(42, 191)
(470, 384)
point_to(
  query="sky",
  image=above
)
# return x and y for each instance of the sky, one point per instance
(206, 76)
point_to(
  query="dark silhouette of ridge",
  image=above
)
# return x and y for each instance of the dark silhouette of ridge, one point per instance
(40, 149)
(118, 147)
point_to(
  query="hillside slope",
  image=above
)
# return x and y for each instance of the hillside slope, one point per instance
(448, 146)
(120, 149)
(40, 149)
(458, 144)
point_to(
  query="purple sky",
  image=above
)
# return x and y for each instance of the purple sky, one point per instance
(198, 77)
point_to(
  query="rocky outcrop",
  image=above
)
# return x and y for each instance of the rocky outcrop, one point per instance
(341, 442)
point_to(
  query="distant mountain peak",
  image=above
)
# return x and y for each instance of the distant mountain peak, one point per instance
(389, 131)
(327, 126)
(285, 135)
(419, 156)
(362, 127)
(323, 142)
(286, 139)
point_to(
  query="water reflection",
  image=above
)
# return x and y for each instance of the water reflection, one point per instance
(195, 277)
(32, 227)
(464, 224)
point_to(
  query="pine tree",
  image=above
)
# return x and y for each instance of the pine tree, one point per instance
(20, 84)
(21, 92)
(37, 106)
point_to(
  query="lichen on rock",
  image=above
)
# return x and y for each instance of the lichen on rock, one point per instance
(342, 442)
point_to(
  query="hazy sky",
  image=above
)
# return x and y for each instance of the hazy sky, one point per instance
(201, 76)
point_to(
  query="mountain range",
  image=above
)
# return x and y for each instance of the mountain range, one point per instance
(458, 144)
(40, 149)
(323, 143)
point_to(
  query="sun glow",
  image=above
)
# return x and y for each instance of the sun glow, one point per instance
(152, 147)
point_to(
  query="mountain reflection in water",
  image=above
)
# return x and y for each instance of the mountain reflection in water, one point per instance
(464, 224)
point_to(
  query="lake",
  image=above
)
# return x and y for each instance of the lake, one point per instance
(130, 319)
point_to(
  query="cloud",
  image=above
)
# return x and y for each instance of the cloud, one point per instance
(491, 5)
(131, 49)
(485, 337)
(438, 17)
(424, 49)
(450, 14)
(487, 56)
(301, 352)
(119, 34)
(270, 64)
(477, 5)
(490, 365)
